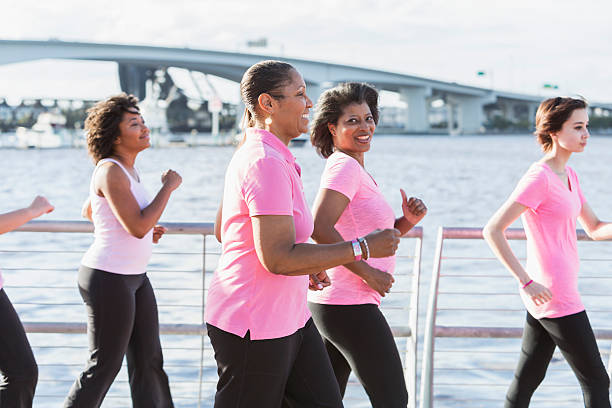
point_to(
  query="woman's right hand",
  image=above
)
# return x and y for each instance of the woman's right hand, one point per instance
(383, 243)
(40, 206)
(378, 280)
(539, 294)
(171, 179)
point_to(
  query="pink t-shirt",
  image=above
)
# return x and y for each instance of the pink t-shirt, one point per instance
(550, 226)
(366, 211)
(261, 179)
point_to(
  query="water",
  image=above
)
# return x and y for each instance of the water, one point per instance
(462, 180)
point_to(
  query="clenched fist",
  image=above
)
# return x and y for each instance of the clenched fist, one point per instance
(40, 206)
(383, 243)
(171, 179)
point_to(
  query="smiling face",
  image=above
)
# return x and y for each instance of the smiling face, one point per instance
(133, 133)
(354, 130)
(292, 107)
(574, 133)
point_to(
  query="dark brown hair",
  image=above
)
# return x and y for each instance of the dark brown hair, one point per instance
(102, 124)
(551, 115)
(330, 106)
(263, 77)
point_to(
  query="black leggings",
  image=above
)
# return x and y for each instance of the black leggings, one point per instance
(18, 369)
(121, 318)
(291, 371)
(358, 338)
(574, 337)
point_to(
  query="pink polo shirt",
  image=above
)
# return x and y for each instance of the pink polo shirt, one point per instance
(366, 211)
(550, 226)
(261, 179)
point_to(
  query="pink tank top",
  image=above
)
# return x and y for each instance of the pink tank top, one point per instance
(114, 249)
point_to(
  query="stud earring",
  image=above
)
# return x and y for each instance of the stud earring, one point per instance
(268, 121)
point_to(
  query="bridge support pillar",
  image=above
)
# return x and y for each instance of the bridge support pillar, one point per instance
(240, 110)
(532, 109)
(313, 91)
(417, 115)
(133, 80)
(471, 115)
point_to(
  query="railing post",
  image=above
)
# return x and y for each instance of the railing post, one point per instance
(201, 374)
(610, 363)
(411, 342)
(430, 327)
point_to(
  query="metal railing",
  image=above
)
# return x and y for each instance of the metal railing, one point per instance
(38, 298)
(467, 304)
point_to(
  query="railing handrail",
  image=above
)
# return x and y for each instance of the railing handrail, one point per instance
(511, 233)
(202, 228)
(196, 228)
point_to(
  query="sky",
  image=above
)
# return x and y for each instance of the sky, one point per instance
(519, 44)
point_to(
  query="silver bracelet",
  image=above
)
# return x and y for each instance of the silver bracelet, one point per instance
(367, 249)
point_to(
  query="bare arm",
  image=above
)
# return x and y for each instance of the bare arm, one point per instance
(595, 228)
(86, 210)
(11, 220)
(329, 206)
(494, 234)
(274, 237)
(114, 185)
(218, 219)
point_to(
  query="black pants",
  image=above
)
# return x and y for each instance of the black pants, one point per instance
(121, 319)
(291, 371)
(574, 337)
(358, 338)
(18, 369)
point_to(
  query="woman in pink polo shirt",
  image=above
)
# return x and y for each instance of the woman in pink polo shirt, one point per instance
(548, 199)
(349, 203)
(18, 369)
(269, 353)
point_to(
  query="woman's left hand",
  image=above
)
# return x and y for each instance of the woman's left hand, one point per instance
(318, 281)
(413, 208)
(158, 231)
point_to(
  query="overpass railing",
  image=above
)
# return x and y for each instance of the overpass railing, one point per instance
(40, 277)
(475, 319)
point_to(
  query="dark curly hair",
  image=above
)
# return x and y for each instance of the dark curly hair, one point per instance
(551, 115)
(330, 106)
(263, 77)
(102, 124)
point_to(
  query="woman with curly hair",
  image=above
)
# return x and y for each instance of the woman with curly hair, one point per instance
(121, 306)
(549, 200)
(355, 332)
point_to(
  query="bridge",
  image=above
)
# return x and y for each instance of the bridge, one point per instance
(465, 106)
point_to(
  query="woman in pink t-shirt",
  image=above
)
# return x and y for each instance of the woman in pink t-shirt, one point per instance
(18, 368)
(355, 332)
(548, 199)
(268, 351)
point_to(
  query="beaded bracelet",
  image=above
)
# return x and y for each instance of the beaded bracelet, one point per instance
(528, 283)
(367, 248)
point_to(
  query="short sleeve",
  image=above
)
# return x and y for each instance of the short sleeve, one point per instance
(342, 174)
(576, 185)
(267, 188)
(532, 189)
